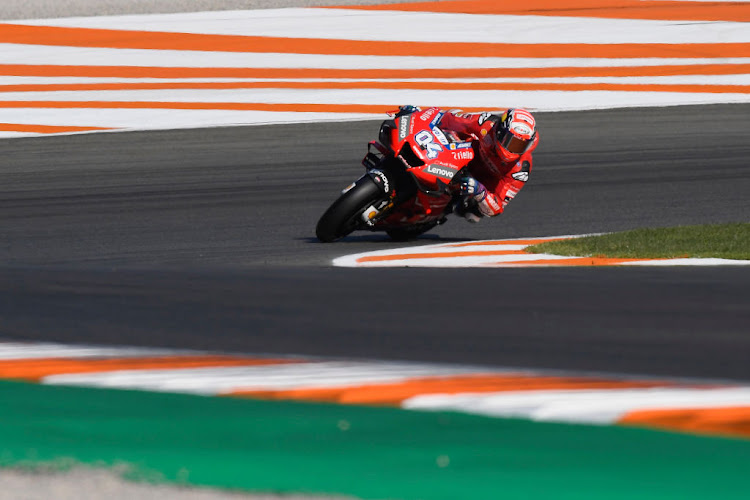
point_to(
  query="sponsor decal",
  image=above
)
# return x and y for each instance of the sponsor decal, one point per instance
(428, 114)
(369, 215)
(348, 188)
(425, 141)
(483, 118)
(440, 136)
(485, 208)
(464, 154)
(380, 176)
(521, 129)
(437, 118)
(524, 115)
(404, 127)
(439, 171)
(492, 202)
(509, 195)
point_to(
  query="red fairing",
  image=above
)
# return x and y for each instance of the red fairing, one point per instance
(442, 157)
(439, 158)
(503, 180)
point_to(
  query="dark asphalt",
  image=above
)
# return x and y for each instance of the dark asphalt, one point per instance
(205, 239)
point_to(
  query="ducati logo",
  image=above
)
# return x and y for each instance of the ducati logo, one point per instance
(403, 127)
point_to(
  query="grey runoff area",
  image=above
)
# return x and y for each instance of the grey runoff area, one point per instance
(85, 483)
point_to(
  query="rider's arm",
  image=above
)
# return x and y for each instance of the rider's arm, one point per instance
(507, 188)
(466, 124)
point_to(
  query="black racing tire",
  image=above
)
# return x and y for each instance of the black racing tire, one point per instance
(343, 216)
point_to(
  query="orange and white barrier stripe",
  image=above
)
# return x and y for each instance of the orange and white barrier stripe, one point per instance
(501, 253)
(312, 64)
(540, 396)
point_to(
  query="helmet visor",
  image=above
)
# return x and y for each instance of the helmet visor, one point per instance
(512, 143)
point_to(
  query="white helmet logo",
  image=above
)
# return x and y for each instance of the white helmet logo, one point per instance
(520, 129)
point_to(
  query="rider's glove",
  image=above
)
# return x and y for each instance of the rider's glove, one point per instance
(406, 110)
(472, 187)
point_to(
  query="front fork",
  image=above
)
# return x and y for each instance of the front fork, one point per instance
(377, 155)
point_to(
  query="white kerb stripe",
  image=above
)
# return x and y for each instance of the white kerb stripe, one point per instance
(274, 377)
(582, 406)
(19, 350)
(343, 24)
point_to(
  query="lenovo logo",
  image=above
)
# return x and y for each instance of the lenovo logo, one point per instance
(441, 172)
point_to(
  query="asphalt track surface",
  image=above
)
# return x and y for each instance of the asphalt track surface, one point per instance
(205, 239)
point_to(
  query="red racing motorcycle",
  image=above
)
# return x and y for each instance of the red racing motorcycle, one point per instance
(411, 184)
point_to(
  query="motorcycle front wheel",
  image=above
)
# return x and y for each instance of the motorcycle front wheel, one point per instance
(345, 214)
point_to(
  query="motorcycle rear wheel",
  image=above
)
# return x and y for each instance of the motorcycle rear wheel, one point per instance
(344, 215)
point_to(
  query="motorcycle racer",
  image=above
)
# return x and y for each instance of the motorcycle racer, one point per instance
(503, 144)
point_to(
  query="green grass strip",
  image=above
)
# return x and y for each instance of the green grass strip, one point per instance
(727, 241)
(367, 452)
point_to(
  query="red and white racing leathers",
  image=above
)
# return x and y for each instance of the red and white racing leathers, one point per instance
(502, 180)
